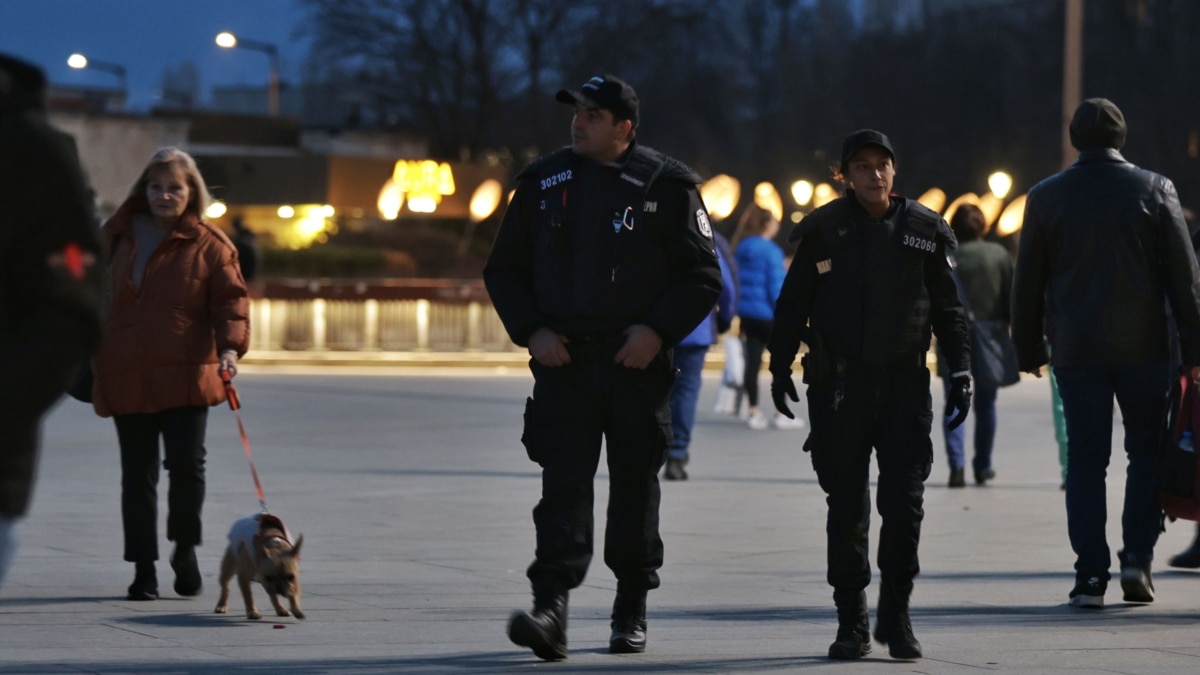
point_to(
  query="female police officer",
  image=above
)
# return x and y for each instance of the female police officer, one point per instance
(871, 276)
(604, 260)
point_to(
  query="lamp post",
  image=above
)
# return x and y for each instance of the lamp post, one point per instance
(229, 41)
(79, 62)
(1072, 73)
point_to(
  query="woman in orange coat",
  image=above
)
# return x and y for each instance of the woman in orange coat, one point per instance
(179, 313)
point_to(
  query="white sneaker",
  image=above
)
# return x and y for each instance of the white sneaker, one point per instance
(785, 423)
(726, 397)
(757, 421)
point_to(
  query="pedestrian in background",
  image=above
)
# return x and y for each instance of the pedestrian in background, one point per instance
(248, 250)
(49, 281)
(985, 273)
(689, 363)
(760, 276)
(871, 282)
(604, 261)
(1103, 248)
(178, 316)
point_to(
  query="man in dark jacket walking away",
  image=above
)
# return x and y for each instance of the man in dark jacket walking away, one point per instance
(49, 280)
(1103, 248)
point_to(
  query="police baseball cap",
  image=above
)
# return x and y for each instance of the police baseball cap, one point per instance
(604, 92)
(862, 138)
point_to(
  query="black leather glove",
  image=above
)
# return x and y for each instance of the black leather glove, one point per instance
(782, 389)
(958, 399)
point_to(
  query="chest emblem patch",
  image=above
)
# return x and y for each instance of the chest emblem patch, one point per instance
(824, 266)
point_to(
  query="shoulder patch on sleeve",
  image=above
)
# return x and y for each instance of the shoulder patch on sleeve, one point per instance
(702, 223)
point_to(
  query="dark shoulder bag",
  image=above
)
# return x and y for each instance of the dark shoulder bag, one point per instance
(993, 355)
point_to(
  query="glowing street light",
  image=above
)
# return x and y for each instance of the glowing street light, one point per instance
(823, 193)
(767, 198)
(229, 41)
(802, 192)
(1012, 218)
(933, 199)
(720, 195)
(79, 62)
(1000, 183)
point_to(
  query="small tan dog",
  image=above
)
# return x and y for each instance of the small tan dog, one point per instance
(260, 549)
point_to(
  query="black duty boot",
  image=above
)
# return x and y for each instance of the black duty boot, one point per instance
(957, 478)
(854, 630)
(628, 623)
(544, 629)
(145, 582)
(893, 627)
(187, 571)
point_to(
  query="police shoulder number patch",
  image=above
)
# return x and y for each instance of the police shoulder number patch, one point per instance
(702, 223)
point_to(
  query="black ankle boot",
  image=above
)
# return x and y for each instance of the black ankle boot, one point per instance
(187, 571)
(854, 631)
(145, 582)
(893, 627)
(544, 629)
(628, 623)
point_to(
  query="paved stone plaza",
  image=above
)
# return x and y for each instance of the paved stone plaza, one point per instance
(413, 493)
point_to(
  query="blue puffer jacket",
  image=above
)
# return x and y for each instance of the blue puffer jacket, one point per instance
(760, 273)
(705, 334)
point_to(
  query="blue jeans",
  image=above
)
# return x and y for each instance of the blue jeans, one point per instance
(689, 361)
(1087, 395)
(983, 409)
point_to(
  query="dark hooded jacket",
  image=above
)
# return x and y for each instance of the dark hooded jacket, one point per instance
(49, 276)
(1103, 243)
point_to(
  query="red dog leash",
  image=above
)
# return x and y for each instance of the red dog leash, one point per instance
(235, 405)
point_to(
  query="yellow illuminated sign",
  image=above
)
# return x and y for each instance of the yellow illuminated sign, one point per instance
(423, 182)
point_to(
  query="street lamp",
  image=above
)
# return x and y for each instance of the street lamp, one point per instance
(229, 41)
(79, 62)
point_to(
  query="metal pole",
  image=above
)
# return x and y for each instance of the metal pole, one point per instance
(1072, 74)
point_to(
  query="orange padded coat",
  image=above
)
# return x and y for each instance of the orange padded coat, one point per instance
(162, 339)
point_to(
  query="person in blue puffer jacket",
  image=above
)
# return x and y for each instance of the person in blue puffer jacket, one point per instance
(760, 276)
(689, 362)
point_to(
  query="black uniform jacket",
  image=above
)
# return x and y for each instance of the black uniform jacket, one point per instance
(590, 249)
(872, 289)
(1102, 244)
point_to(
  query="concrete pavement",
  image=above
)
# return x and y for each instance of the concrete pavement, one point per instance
(414, 495)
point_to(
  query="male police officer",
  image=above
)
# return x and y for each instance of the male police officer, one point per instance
(603, 262)
(871, 276)
(49, 279)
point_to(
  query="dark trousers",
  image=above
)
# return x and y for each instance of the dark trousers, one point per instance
(1087, 395)
(573, 409)
(890, 410)
(182, 431)
(756, 333)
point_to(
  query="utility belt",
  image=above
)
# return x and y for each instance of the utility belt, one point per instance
(593, 346)
(842, 369)
(845, 367)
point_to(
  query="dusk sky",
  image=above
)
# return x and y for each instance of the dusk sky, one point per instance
(147, 36)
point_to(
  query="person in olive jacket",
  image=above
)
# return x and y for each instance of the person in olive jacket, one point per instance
(1103, 249)
(179, 313)
(49, 280)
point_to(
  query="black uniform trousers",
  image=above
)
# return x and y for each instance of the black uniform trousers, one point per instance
(573, 408)
(857, 409)
(182, 431)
